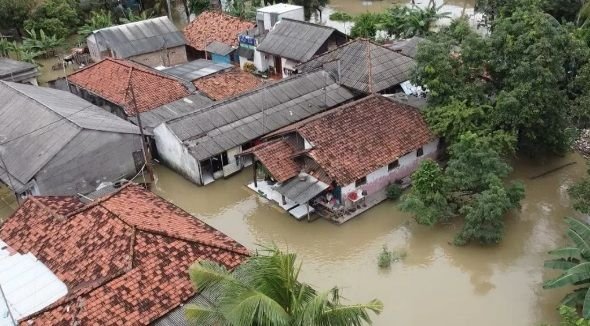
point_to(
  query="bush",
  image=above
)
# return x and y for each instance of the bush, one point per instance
(394, 191)
(55, 17)
(385, 258)
(249, 67)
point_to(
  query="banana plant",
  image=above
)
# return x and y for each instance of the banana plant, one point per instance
(574, 262)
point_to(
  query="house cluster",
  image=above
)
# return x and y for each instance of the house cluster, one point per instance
(325, 124)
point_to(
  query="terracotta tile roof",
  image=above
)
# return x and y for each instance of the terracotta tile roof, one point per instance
(227, 84)
(277, 157)
(124, 258)
(212, 26)
(360, 137)
(112, 79)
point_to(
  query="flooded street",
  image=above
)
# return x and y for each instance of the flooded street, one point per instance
(436, 283)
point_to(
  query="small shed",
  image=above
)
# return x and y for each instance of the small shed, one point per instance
(220, 52)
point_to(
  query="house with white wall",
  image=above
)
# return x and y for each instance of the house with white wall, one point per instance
(203, 145)
(266, 19)
(340, 163)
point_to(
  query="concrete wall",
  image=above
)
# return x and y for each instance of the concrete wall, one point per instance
(379, 180)
(175, 154)
(87, 160)
(170, 57)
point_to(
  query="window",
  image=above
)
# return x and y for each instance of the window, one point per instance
(419, 152)
(360, 182)
(393, 165)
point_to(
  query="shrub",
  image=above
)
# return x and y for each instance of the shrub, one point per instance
(249, 67)
(385, 258)
(394, 191)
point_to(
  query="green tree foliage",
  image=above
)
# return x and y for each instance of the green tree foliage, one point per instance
(13, 13)
(99, 19)
(131, 17)
(367, 24)
(339, 16)
(39, 42)
(198, 6)
(4, 47)
(569, 317)
(265, 290)
(240, 9)
(573, 261)
(471, 187)
(580, 193)
(518, 76)
(311, 7)
(55, 17)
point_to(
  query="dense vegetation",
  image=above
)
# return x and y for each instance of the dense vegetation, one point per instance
(520, 89)
(265, 290)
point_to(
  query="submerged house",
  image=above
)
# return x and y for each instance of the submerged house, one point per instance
(55, 143)
(364, 66)
(202, 145)
(214, 35)
(152, 42)
(340, 162)
(18, 71)
(124, 88)
(291, 42)
(122, 259)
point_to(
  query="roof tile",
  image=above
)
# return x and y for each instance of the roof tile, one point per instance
(212, 26)
(227, 84)
(112, 79)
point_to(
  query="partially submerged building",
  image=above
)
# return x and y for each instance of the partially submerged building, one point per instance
(214, 35)
(18, 71)
(203, 145)
(152, 42)
(291, 42)
(364, 66)
(340, 162)
(125, 88)
(123, 258)
(55, 143)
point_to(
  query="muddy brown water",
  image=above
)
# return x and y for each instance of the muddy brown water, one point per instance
(437, 283)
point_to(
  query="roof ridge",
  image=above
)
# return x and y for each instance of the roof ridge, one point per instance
(306, 23)
(131, 23)
(237, 97)
(63, 117)
(98, 201)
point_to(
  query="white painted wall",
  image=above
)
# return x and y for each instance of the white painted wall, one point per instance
(288, 64)
(296, 14)
(175, 154)
(232, 166)
(379, 179)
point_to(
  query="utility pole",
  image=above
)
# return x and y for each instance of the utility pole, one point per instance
(147, 157)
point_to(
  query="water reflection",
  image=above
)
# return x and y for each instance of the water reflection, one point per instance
(437, 283)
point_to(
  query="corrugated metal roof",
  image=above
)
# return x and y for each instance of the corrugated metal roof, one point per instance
(407, 47)
(12, 70)
(196, 69)
(40, 121)
(167, 112)
(350, 65)
(296, 40)
(233, 122)
(219, 48)
(141, 37)
(28, 285)
(302, 189)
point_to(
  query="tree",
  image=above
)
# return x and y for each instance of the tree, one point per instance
(55, 17)
(265, 290)
(99, 19)
(366, 25)
(530, 56)
(405, 22)
(471, 187)
(42, 43)
(198, 6)
(13, 14)
(311, 7)
(574, 262)
(580, 193)
(131, 17)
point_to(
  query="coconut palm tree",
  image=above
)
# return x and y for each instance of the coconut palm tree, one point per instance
(265, 291)
(574, 261)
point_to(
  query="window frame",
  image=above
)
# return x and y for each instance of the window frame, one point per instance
(393, 165)
(420, 152)
(360, 182)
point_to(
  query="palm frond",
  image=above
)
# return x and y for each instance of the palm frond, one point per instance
(255, 308)
(566, 253)
(206, 273)
(575, 298)
(575, 274)
(561, 264)
(205, 316)
(354, 315)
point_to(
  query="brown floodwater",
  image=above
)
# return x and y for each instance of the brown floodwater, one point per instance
(456, 7)
(436, 283)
